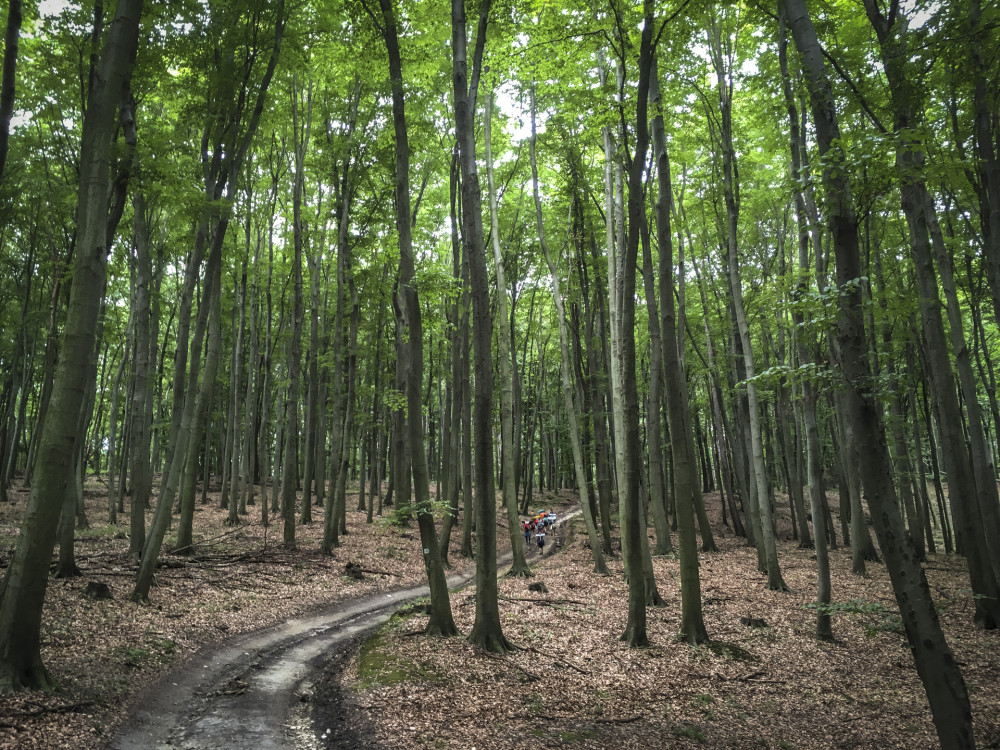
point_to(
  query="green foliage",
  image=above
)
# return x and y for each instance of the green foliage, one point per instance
(878, 618)
(378, 665)
(690, 732)
(161, 651)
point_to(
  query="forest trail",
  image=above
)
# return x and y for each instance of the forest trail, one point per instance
(253, 690)
(243, 693)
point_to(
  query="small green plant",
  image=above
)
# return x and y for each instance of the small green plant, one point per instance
(392, 553)
(690, 731)
(536, 704)
(579, 735)
(132, 656)
(161, 651)
(881, 619)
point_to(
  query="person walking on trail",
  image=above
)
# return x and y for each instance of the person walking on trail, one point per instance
(527, 533)
(540, 536)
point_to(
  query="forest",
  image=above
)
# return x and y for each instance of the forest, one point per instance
(708, 269)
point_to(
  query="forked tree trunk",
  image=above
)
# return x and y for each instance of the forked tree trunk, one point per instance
(633, 540)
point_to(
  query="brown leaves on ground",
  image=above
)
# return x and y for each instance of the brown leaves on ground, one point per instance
(237, 579)
(574, 684)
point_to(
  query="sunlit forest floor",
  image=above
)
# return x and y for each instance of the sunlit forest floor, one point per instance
(571, 683)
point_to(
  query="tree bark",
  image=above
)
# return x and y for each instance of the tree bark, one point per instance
(486, 630)
(635, 627)
(814, 466)
(441, 621)
(23, 589)
(678, 403)
(933, 657)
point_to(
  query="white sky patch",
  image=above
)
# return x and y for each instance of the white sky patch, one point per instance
(53, 7)
(519, 125)
(919, 12)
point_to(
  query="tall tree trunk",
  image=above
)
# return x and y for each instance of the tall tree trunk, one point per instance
(460, 383)
(678, 404)
(933, 657)
(814, 466)
(519, 567)
(141, 470)
(441, 621)
(290, 463)
(632, 527)
(654, 434)
(486, 630)
(600, 566)
(775, 581)
(23, 589)
(12, 36)
(236, 381)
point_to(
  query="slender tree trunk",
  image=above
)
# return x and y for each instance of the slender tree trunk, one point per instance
(486, 630)
(441, 621)
(824, 630)
(236, 380)
(933, 657)
(632, 527)
(775, 581)
(678, 404)
(519, 567)
(657, 487)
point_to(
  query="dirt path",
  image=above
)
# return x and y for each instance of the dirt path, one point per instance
(254, 690)
(243, 693)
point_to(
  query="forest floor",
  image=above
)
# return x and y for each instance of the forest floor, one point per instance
(103, 653)
(570, 683)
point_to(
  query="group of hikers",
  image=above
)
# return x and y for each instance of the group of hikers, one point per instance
(537, 525)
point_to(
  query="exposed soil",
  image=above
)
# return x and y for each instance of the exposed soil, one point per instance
(108, 654)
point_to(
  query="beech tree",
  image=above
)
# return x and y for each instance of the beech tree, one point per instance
(23, 589)
(349, 329)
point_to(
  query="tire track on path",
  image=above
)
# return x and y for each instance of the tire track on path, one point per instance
(244, 692)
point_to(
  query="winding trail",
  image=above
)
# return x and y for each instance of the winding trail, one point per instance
(252, 691)
(244, 693)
